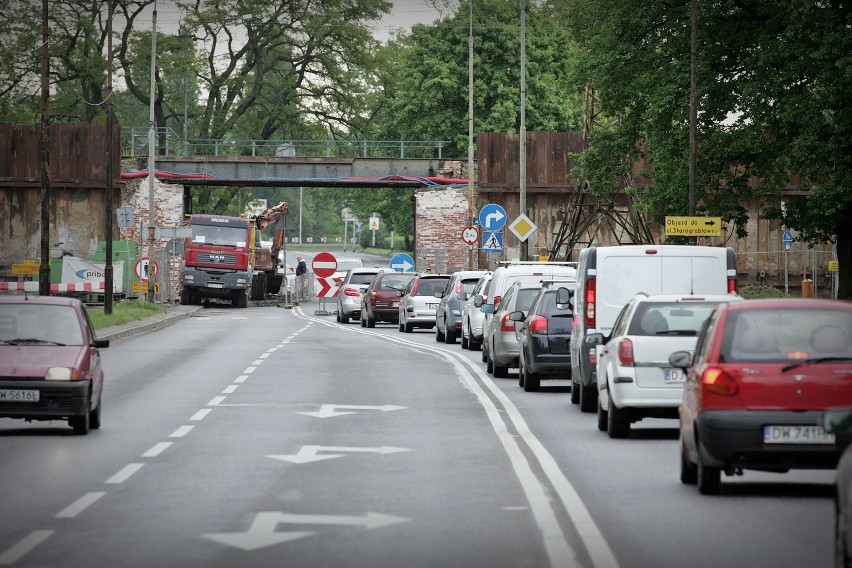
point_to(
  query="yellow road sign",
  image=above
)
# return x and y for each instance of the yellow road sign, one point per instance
(834, 266)
(28, 268)
(693, 226)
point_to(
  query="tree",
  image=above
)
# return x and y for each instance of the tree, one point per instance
(768, 115)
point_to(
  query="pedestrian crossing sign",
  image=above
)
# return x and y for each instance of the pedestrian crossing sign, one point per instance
(492, 241)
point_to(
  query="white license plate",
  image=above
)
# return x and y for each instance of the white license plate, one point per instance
(16, 395)
(432, 306)
(674, 375)
(215, 285)
(394, 304)
(796, 434)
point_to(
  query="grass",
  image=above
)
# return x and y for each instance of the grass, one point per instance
(124, 312)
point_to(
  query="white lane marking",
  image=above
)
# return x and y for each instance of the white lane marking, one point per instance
(200, 414)
(257, 362)
(156, 450)
(23, 546)
(181, 432)
(79, 505)
(249, 370)
(593, 540)
(215, 400)
(125, 473)
(264, 356)
(240, 379)
(229, 389)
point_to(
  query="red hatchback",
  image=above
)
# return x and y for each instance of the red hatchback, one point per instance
(763, 373)
(50, 364)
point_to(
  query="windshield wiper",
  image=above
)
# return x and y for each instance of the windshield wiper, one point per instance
(689, 332)
(19, 340)
(814, 360)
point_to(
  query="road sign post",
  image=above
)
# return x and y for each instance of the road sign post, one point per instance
(324, 266)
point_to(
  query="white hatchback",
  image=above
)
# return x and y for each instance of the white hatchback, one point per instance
(635, 379)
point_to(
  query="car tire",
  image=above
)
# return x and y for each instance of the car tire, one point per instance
(407, 328)
(344, 318)
(95, 415)
(449, 337)
(80, 424)
(401, 328)
(489, 364)
(709, 478)
(617, 422)
(688, 470)
(439, 337)
(464, 339)
(371, 322)
(532, 381)
(589, 398)
(602, 416)
(575, 392)
(841, 553)
(521, 373)
(500, 371)
(474, 345)
(363, 323)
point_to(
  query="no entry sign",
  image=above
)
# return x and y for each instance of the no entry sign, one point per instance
(324, 264)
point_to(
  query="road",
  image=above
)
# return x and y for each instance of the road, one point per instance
(269, 436)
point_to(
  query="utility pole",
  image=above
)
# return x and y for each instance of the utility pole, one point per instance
(152, 167)
(522, 135)
(693, 111)
(108, 288)
(44, 267)
(471, 196)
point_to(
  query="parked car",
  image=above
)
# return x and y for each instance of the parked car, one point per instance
(50, 362)
(544, 337)
(354, 284)
(472, 316)
(634, 378)
(380, 301)
(419, 302)
(839, 423)
(448, 317)
(501, 349)
(763, 373)
(607, 277)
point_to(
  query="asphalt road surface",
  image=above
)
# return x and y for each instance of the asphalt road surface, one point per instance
(275, 437)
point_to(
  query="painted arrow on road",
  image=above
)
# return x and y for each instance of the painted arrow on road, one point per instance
(309, 454)
(330, 410)
(262, 533)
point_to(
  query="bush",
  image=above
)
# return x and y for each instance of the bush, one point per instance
(753, 292)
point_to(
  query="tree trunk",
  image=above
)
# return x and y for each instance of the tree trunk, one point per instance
(844, 256)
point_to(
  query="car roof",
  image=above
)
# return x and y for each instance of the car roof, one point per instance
(791, 303)
(33, 299)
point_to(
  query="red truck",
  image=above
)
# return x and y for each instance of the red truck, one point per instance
(223, 259)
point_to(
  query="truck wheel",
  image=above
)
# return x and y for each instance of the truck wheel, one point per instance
(185, 297)
(239, 299)
(258, 286)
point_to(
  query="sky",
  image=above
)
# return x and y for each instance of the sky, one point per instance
(405, 13)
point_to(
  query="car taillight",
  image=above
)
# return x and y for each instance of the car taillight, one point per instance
(591, 287)
(372, 299)
(497, 301)
(414, 289)
(538, 325)
(506, 324)
(351, 292)
(593, 357)
(625, 353)
(732, 285)
(459, 287)
(719, 382)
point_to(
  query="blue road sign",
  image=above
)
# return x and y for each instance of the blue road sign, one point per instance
(492, 242)
(492, 217)
(402, 263)
(788, 240)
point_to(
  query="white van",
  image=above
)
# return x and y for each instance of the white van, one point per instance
(607, 277)
(526, 273)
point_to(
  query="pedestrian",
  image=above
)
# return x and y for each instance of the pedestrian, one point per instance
(301, 267)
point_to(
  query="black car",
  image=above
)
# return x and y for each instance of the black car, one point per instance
(544, 338)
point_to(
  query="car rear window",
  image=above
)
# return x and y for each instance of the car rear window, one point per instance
(670, 318)
(560, 316)
(358, 278)
(525, 298)
(394, 282)
(431, 286)
(788, 335)
(467, 286)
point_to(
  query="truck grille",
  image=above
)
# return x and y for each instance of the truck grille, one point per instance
(223, 259)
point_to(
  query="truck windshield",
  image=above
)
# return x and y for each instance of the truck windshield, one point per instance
(229, 236)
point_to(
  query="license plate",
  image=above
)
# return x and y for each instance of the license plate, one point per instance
(394, 304)
(432, 306)
(674, 376)
(215, 285)
(796, 434)
(16, 395)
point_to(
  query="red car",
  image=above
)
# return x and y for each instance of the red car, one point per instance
(761, 378)
(380, 302)
(50, 364)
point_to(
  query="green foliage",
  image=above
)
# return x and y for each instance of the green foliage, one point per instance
(752, 292)
(124, 312)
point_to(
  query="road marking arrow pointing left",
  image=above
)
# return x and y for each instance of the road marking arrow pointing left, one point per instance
(309, 454)
(330, 410)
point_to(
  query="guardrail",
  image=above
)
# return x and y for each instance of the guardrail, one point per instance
(134, 142)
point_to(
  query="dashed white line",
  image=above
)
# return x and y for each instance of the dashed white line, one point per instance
(79, 505)
(181, 432)
(125, 473)
(240, 379)
(23, 546)
(215, 400)
(229, 389)
(249, 370)
(200, 414)
(264, 356)
(257, 362)
(156, 450)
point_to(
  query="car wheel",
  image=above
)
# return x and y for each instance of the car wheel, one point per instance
(521, 373)
(575, 392)
(709, 478)
(473, 344)
(489, 364)
(841, 554)
(363, 323)
(80, 424)
(617, 421)
(401, 328)
(407, 328)
(589, 398)
(344, 318)
(688, 470)
(602, 416)
(500, 371)
(449, 337)
(532, 381)
(95, 415)
(464, 339)
(371, 322)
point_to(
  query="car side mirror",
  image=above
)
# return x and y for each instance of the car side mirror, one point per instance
(680, 359)
(462, 296)
(101, 343)
(487, 308)
(478, 300)
(517, 316)
(564, 295)
(594, 339)
(399, 293)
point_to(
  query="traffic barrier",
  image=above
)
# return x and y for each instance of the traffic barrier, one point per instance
(61, 287)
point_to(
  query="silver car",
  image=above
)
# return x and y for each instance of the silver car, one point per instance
(418, 302)
(500, 346)
(349, 295)
(448, 317)
(472, 316)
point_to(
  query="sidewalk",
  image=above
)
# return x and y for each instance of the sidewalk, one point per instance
(173, 314)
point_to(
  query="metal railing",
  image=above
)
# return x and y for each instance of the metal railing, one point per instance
(134, 142)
